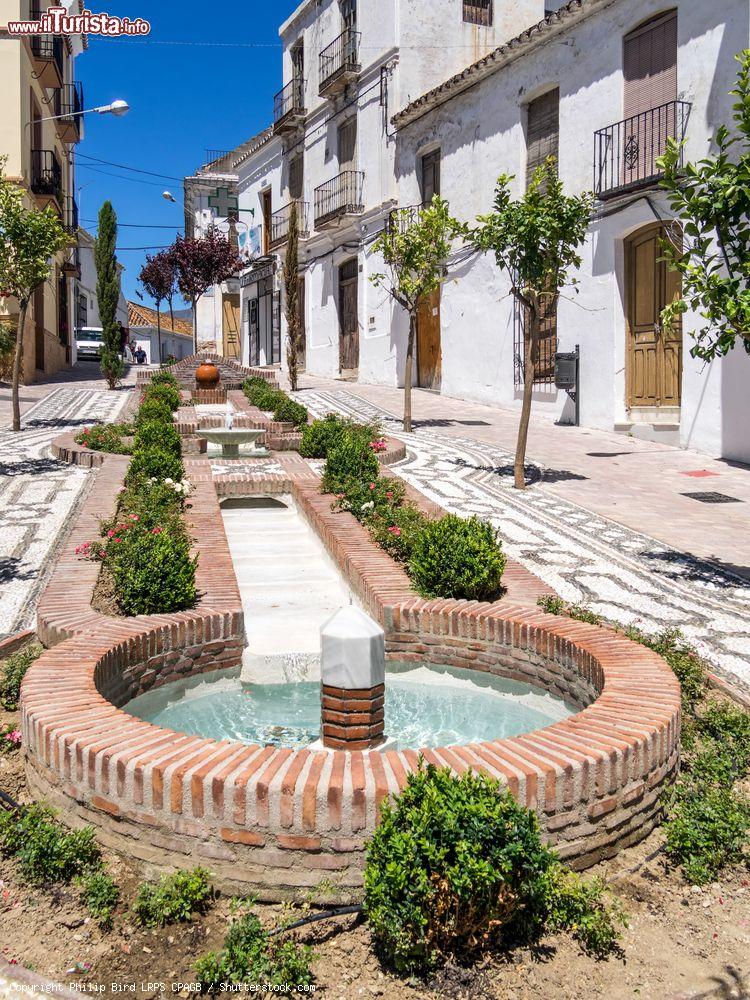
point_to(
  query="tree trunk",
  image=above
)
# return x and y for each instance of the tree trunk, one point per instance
(17, 363)
(171, 314)
(408, 374)
(531, 354)
(158, 332)
(194, 304)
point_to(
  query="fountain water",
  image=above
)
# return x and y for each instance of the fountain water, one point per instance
(230, 438)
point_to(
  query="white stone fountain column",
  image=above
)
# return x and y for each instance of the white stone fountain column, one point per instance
(353, 681)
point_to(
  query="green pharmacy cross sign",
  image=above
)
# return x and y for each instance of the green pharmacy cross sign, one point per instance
(226, 205)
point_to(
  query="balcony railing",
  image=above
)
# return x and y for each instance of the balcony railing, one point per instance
(69, 106)
(626, 153)
(289, 106)
(280, 223)
(70, 215)
(48, 50)
(339, 62)
(401, 219)
(339, 197)
(46, 175)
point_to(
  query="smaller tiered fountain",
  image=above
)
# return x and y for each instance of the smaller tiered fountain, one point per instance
(231, 439)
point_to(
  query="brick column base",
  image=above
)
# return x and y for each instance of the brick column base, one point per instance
(210, 397)
(353, 720)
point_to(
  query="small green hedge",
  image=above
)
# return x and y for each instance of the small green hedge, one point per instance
(107, 438)
(174, 899)
(320, 437)
(153, 569)
(164, 392)
(155, 463)
(459, 558)
(446, 558)
(268, 398)
(457, 866)
(161, 437)
(164, 378)
(152, 410)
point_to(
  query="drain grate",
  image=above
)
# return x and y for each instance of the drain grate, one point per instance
(712, 498)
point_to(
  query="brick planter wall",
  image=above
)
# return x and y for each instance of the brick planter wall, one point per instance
(276, 821)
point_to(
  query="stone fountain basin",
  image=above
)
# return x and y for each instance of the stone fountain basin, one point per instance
(230, 441)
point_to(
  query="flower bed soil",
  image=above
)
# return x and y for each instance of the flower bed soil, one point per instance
(680, 940)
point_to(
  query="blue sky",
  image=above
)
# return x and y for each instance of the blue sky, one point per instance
(212, 93)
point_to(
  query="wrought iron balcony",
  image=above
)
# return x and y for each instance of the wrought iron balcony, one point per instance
(70, 215)
(626, 153)
(338, 198)
(46, 177)
(339, 63)
(69, 104)
(401, 219)
(280, 223)
(289, 107)
(49, 55)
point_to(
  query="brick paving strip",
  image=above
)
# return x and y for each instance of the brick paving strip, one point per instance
(621, 574)
(277, 820)
(38, 495)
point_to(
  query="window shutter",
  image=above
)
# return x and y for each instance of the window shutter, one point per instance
(543, 131)
(650, 65)
(348, 144)
(296, 178)
(478, 12)
(430, 176)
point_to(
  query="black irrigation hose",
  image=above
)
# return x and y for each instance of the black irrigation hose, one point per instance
(342, 911)
(8, 803)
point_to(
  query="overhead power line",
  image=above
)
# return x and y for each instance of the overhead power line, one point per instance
(125, 166)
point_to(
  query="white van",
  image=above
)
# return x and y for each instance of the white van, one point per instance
(89, 343)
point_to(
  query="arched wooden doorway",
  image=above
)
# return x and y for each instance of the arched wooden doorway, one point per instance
(653, 353)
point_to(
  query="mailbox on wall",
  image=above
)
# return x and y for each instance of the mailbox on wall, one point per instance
(567, 375)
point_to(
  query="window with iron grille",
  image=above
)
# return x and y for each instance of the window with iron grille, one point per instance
(82, 318)
(478, 12)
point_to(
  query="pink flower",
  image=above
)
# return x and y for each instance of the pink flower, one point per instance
(111, 534)
(390, 496)
(134, 517)
(372, 486)
(14, 738)
(117, 540)
(156, 531)
(396, 532)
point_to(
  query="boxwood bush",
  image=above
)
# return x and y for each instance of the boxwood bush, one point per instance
(164, 378)
(163, 437)
(262, 394)
(155, 463)
(290, 412)
(153, 410)
(164, 392)
(175, 898)
(457, 865)
(321, 436)
(458, 558)
(152, 568)
(351, 459)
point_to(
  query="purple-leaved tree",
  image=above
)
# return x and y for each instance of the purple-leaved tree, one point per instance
(201, 262)
(159, 279)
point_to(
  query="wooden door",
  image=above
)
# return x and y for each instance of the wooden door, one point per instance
(231, 326)
(267, 203)
(542, 131)
(654, 361)
(650, 90)
(429, 350)
(430, 176)
(347, 145)
(349, 316)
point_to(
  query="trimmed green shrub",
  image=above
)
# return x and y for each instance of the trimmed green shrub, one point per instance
(371, 500)
(100, 894)
(162, 437)
(458, 558)
(153, 410)
(155, 463)
(290, 412)
(163, 392)
(351, 459)
(321, 436)
(152, 503)
(153, 569)
(250, 956)
(43, 850)
(457, 865)
(263, 395)
(107, 438)
(12, 672)
(175, 898)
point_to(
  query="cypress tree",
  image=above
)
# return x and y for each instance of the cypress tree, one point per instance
(108, 294)
(291, 287)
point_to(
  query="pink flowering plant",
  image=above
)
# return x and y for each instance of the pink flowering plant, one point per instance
(107, 438)
(10, 740)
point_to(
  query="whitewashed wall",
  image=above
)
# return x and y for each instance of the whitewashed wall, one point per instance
(481, 134)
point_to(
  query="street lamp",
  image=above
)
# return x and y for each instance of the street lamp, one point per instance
(117, 108)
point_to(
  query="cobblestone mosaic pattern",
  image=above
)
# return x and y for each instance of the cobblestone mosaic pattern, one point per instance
(37, 495)
(621, 574)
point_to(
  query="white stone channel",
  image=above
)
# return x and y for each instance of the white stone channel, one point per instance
(289, 584)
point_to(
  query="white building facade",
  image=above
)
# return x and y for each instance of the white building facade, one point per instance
(387, 104)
